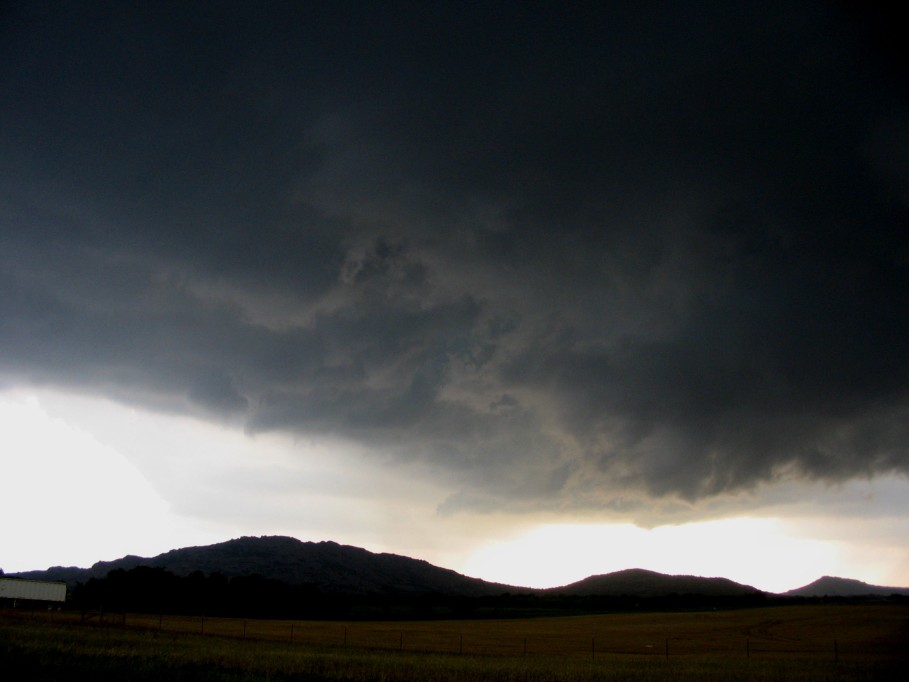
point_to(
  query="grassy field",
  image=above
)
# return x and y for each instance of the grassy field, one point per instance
(820, 642)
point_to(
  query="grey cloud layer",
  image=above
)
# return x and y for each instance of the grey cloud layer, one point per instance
(563, 257)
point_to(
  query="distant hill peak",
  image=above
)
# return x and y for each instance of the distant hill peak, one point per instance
(641, 582)
(831, 586)
(326, 566)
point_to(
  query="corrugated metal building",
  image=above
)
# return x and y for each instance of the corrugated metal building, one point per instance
(37, 590)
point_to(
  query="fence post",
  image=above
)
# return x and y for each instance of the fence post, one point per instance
(401, 643)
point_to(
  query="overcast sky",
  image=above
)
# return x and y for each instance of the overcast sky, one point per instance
(516, 265)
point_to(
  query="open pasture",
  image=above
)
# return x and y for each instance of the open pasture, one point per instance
(799, 643)
(824, 631)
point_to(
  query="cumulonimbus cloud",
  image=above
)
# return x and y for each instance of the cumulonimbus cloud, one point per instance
(561, 259)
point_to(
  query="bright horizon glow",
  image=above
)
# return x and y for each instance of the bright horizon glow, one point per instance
(752, 551)
(94, 481)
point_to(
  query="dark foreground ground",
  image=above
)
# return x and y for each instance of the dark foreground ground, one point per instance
(785, 643)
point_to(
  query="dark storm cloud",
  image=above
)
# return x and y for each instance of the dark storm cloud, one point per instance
(563, 256)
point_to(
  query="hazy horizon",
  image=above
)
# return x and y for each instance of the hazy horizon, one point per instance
(327, 540)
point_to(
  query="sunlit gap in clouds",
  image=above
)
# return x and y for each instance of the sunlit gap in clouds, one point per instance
(852, 530)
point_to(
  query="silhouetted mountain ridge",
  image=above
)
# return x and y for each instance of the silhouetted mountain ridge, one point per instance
(639, 582)
(332, 568)
(830, 586)
(327, 566)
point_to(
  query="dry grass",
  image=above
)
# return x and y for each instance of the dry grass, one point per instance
(784, 643)
(816, 630)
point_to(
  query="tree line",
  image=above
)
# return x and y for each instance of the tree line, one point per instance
(147, 589)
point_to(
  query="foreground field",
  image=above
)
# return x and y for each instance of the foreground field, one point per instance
(783, 643)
